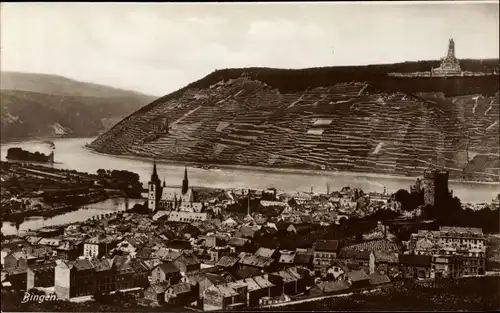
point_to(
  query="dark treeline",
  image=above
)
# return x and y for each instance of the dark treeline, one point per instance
(23, 155)
(127, 181)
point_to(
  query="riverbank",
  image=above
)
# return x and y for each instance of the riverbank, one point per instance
(309, 172)
(64, 208)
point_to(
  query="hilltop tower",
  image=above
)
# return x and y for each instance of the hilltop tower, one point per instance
(185, 182)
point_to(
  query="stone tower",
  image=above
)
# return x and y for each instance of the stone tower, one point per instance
(435, 186)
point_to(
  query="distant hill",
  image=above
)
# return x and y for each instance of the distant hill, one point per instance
(334, 118)
(41, 105)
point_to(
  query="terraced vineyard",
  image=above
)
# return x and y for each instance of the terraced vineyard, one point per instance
(344, 126)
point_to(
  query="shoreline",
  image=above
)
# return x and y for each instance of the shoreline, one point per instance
(282, 170)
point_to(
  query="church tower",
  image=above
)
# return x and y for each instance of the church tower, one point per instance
(154, 185)
(185, 183)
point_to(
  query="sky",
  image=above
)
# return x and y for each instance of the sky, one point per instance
(157, 48)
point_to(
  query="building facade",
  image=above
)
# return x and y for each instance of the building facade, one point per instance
(170, 198)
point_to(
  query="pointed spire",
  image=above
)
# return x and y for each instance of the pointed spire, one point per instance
(185, 182)
(164, 184)
(154, 176)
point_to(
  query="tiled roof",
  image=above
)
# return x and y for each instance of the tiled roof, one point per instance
(101, 264)
(327, 245)
(263, 282)
(331, 286)
(256, 261)
(265, 252)
(377, 279)
(159, 288)
(169, 267)
(237, 242)
(181, 288)
(83, 264)
(188, 259)
(386, 257)
(357, 275)
(372, 245)
(355, 254)
(227, 261)
(302, 258)
(287, 258)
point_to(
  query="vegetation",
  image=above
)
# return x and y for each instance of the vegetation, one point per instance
(36, 105)
(23, 155)
(127, 181)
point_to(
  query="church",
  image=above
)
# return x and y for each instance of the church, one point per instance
(161, 197)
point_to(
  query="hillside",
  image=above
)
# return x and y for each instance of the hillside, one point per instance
(340, 118)
(40, 105)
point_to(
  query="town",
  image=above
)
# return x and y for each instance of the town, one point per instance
(235, 249)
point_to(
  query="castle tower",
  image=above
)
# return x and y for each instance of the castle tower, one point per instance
(185, 182)
(435, 186)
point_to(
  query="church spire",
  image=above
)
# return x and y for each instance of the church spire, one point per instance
(185, 182)
(164, 184)
(154, 176)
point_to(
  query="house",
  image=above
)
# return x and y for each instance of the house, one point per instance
(40, 276)
(156, 292)
(379, 279)
(299, 228)
(214, 241)
(230, 222)
(258, 287)
(180, 294)
(325, 251)
(337, 271)
(304, 259)
(287, 258)
(165, 272)
(267, 253)
(294, 280)
(105, 275)
(257, 262)
(74, 279)
(415, 266)
(228, 262)
(358, 279)
(224, 297)
(19, 260)
(165, 254)
(245, 232)
(187, 263)
(356, 260)
(238, 245)
(203, 281)
(384, 263)
(329, 287)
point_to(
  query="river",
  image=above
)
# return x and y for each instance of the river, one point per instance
(70, 153)
(84, 213)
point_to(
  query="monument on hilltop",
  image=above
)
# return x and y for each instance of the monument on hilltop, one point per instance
(449, 64)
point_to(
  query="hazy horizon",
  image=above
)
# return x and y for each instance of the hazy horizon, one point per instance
(157, 48)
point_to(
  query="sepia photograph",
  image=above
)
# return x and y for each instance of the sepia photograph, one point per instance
(250, 156)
